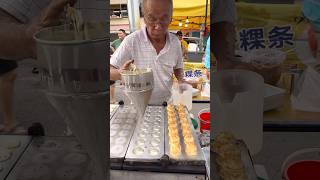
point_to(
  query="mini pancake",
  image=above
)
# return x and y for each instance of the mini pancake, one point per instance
(191, 149)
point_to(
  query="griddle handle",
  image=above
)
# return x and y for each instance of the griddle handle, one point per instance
(164, 104)
(121, 103)
(36, 130)
(164, 160)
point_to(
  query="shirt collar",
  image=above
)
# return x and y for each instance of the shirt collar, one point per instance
(145, 36)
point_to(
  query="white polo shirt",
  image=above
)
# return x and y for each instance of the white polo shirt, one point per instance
(138, 47)
(24, 10)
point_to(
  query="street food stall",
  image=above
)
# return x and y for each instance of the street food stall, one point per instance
(159, 141)
(280, 48)
(290, 34)
(192, 17)
(162, 141)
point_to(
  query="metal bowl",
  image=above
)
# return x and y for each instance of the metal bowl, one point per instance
(138, 80)
(69, 65)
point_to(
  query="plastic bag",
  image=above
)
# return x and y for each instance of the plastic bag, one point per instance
(306, 96)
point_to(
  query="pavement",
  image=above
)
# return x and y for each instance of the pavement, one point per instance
(31, 104)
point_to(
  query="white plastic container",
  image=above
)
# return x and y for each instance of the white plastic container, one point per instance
(182, 94)
(238, 106)
(304, 97)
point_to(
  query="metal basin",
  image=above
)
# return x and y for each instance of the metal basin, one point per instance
(70, 63)
(138, 81)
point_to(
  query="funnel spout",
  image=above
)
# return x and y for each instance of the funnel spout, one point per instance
(86, 116)
(74, 71)
(140, 99)
(138, 86)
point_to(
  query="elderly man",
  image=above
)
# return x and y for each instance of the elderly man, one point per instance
(19, 20)
(152, 46)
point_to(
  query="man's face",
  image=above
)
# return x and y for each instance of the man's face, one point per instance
(121, 35)
(180, 37)
(157, 18)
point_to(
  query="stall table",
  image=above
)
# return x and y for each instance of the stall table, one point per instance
(286, 113)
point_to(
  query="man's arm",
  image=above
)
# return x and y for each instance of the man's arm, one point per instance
(16, 42)
(120, 60)
(113, 49)
(115, 73)
(178, 68)
(223, 46)
(224, 35)
(16, 38)
(179, 75)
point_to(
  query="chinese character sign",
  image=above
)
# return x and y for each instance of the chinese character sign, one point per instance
(251, 38)
(188, 73)
(257, 38)
(278, 36)
(195, 73)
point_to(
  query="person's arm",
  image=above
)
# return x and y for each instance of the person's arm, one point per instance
(224, 39)
(16, 38)
(179, 75)
(224, 35)
(115, 73)
(121, 59)
(178, 68)
(113, 49)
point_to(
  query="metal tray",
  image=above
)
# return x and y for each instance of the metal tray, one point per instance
(184, 162)
(113, 109)
(147, 144)
(52, 158)
(20, 143)
(206, 155)
(246, 160)
(122, 126)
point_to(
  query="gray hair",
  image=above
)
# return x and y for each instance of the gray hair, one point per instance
(144, 2)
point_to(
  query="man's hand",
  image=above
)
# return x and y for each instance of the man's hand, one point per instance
(179, 75)
(50, 16)
(126, 65)
(115, 73)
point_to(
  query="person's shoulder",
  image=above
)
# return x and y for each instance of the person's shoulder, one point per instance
(184, 41)
(115, 41)
(132, 37)
(174, 39)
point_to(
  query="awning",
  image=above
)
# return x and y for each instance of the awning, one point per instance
(190, 8)
(194, 11)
